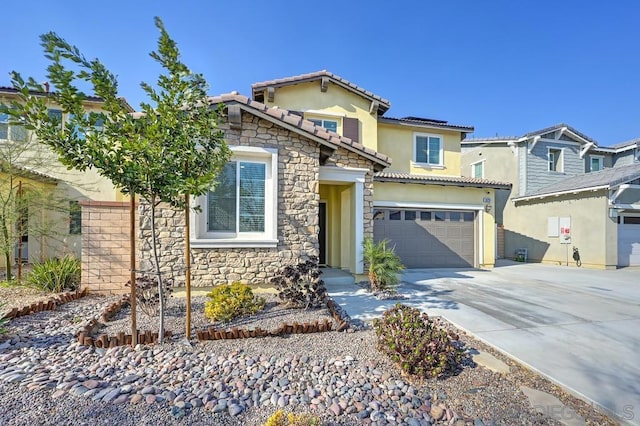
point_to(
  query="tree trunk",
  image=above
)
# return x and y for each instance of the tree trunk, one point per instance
(157, 264)
(6, 246)
(132, 261)
(187, 263)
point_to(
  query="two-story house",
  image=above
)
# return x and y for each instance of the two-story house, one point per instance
(317, 168)
(567, 191)
(49, 224)
(432, 215)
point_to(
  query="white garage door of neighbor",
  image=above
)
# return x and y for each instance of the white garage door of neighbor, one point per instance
(428, 238)
(629, 241)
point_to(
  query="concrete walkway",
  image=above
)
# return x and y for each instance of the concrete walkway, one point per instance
(578, 327)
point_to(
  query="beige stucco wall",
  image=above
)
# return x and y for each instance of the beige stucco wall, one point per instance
(499, 163)
(446, 197)
(335, 103)
(338, 223)
(397, 142)
(592, 231)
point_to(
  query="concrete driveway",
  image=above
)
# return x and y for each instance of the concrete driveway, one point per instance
(578, 327)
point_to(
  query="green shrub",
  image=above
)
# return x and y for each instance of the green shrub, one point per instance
(227, 302)
(383, 265)
(416, 343)
(279, 418)
(300, 286)
(56, 274)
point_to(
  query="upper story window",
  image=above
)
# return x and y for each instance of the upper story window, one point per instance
(596, 163)
(12, 132)
(477, 170)
(240, 210)
(428, 149)
(56, 114)
(331, 125)
(97, 127)
(555, 160)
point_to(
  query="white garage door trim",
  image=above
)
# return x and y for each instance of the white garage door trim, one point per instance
(479, 208)
(628, 235)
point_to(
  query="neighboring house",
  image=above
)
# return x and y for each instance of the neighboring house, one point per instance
(51, 223)
(312, 176)
(566, 192)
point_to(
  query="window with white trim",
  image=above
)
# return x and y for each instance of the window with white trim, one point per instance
(331, 125)
(427, 149)
(555, 159)
(12, 132)
(240, 209)
(596, 163)
(477, 170)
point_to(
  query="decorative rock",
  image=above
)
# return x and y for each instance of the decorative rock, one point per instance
(121, 399)
(336, 409)
(148, 390)
(111, 395)
(437, 412)
(235, 410)
(91, 384)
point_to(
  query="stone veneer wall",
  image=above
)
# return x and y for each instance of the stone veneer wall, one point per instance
(298, 201)
(105, 246)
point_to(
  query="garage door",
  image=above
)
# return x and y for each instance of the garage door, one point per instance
(629, 241)
(428, 238)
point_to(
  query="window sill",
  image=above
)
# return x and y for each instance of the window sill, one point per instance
(233, 243)
(427, 165)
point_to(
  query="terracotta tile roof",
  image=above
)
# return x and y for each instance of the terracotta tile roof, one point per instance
(426, 122)
(32, 174)
(13, 91)
(304, 126)
(605, 178)
(400, 177)
(257, 88)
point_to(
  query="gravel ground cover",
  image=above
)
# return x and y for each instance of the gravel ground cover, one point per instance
(47, 378)
(17, 297)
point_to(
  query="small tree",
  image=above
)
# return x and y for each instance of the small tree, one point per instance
(173, 147)
(383, 264)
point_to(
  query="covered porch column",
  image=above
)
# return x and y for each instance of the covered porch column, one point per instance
(345, 209)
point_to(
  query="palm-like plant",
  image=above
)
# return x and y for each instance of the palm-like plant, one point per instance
(383, 264)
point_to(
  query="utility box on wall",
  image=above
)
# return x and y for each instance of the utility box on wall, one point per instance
(559, 227)
(565, 230)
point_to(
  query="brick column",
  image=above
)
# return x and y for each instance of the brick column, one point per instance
(105, 246)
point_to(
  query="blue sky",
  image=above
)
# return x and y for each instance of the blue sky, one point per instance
(506, 67)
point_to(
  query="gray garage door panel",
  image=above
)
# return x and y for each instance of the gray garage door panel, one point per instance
(427, 243)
